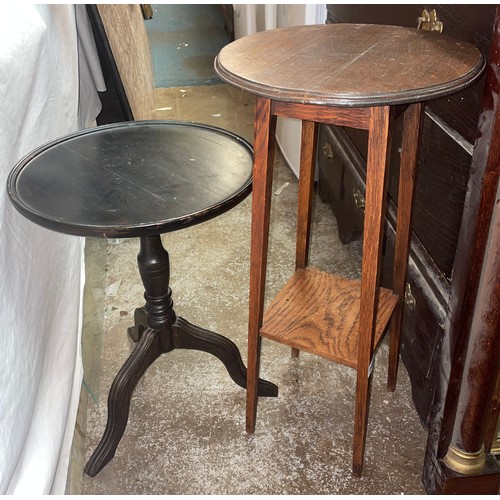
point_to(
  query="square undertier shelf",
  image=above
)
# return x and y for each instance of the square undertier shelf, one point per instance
(318, 312)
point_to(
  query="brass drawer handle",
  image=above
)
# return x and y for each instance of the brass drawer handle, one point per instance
(409, 298)
(359, 199)
(429, 21)
(327, 151)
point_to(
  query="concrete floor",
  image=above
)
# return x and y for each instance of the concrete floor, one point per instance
(184, 40)
(186, 432)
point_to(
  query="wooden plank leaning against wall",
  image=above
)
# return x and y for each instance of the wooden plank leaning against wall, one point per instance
(124, 26)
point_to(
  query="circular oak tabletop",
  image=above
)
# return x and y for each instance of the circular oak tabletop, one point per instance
(132, 179)
(356, 65)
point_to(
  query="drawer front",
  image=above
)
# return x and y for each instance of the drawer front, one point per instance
(341, 182)
(444, 160)
(338, 186)
(422, 335)
(443, 170)
(421, 348)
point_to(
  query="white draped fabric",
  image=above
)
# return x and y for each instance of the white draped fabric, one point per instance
(48, 81)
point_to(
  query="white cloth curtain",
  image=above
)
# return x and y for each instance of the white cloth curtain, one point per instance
(41, 271)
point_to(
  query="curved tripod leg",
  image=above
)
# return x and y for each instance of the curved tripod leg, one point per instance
(189, 336)
(147, 350)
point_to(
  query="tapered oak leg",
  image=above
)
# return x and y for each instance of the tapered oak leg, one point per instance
(305, 198)
(376, 188)
(306, 188)
(408, 168)
(264, 144)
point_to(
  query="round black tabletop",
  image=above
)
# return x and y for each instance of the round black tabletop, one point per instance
(132, 179)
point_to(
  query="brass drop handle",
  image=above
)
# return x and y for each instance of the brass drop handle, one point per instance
(409, 298)
(429, 21)
(327, 151)
(359, 199)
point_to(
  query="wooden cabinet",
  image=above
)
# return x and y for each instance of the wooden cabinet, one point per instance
(444, 163)
(437, 269)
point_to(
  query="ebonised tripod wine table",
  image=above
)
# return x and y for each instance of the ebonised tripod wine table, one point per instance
(140, 179)
(352, 75)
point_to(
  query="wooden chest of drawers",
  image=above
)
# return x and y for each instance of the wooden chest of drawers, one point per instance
(444, 163)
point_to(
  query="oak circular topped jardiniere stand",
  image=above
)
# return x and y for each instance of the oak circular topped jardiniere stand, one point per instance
(140, 179)
(361, 76)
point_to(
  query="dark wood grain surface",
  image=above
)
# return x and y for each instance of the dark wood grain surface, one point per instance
(349, 64)
(132, 179)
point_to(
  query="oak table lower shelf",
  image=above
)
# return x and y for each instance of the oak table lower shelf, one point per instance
(318, 312)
